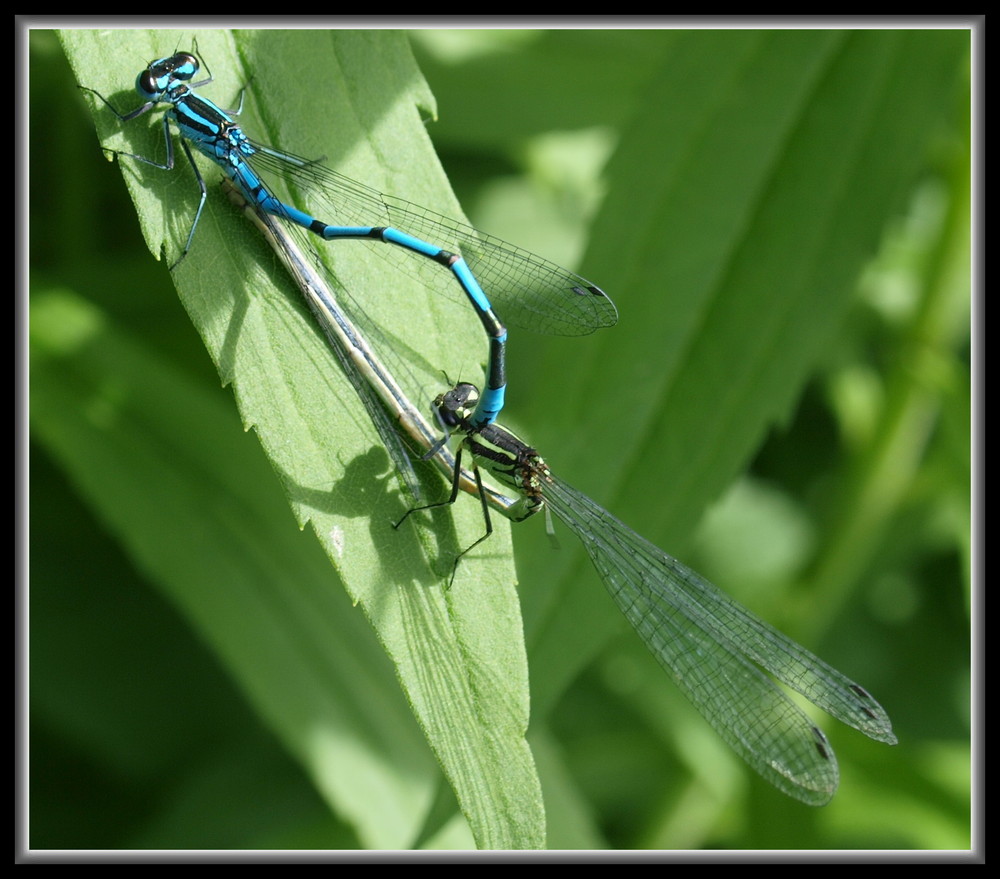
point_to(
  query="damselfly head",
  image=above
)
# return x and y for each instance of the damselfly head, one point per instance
(157, 79)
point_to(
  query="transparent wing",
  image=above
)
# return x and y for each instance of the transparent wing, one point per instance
(714, 649)
(529, 291)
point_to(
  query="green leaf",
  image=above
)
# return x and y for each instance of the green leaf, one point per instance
(456, 651)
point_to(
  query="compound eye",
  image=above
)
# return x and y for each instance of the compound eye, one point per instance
(146, 83)
(449, 417)
(184, 65)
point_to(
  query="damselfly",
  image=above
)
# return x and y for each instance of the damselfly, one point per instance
(531, 291)
(715, 649)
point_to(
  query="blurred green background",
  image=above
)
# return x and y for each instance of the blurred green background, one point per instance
(783, 221)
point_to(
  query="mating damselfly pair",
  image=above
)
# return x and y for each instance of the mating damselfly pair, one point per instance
(712, 647)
